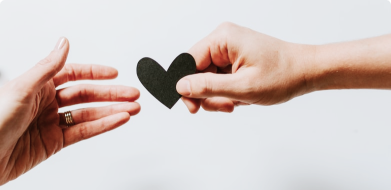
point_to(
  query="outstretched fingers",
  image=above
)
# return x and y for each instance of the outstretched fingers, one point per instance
(95, 93)
(74, 72)
(95, 113)
(90, 129)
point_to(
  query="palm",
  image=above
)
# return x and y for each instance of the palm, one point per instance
(42, 138)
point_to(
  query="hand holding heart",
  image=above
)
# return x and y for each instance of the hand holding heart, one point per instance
(161, 83)
(239, 67)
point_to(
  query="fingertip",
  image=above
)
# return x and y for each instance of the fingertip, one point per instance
(137, 93)
(118, 119)
(201, 53)
(98, 72)
(193, 105)
(123, 118)
(132, 94)
(63, 50)
(62, 43)
(67, 42)
(112, 72)
(134, 108)
(183, 87)
(116, 73)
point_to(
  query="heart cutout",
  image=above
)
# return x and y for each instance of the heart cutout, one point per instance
(161, 83)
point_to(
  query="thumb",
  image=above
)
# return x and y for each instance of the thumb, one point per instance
(47, 68)
(205, 85)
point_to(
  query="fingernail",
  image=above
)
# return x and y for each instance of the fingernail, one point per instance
(183, 87)
(60, 43)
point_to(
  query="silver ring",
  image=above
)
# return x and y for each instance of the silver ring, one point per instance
(69, 119)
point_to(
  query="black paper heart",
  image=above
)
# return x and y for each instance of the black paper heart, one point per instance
(162, 84)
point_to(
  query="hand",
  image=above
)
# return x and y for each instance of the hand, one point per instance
(32, 130)
(241, 67)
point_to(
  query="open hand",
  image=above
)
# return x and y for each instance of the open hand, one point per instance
(32, 130)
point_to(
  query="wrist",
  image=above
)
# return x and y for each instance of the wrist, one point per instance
(303, 58)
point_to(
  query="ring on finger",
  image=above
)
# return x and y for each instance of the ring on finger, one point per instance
(69, 119)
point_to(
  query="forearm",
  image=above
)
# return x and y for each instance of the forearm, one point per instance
(362, 64)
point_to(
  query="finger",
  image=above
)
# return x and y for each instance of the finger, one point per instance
(92, 114)
(211, 49)
(74, 72)
(95, 93)
(200, 52)
(216, 48)
(225, 70)
(211, 69)
(205, 85)
(239, 103)
(90, 129)
(193, 105)
(219, 104)
(46, 69)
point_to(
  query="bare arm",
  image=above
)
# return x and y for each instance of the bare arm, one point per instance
(240, 66)
(353, 65)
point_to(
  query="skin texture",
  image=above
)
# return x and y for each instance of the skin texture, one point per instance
(32, 130)
(239, 66)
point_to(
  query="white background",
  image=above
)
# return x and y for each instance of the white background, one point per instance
(330, 140)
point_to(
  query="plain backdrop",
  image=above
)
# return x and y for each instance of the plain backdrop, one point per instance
(329, 140)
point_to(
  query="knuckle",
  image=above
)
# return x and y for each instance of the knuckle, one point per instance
(47, 64)
(225, 28)
(222, 35)
(113, 93)
(226, 25)
(83, 93)
(70, 72)
(247, 87)
(85, 115)
(45, 61)
(83, 130)
(204, 88)
(91, 72)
